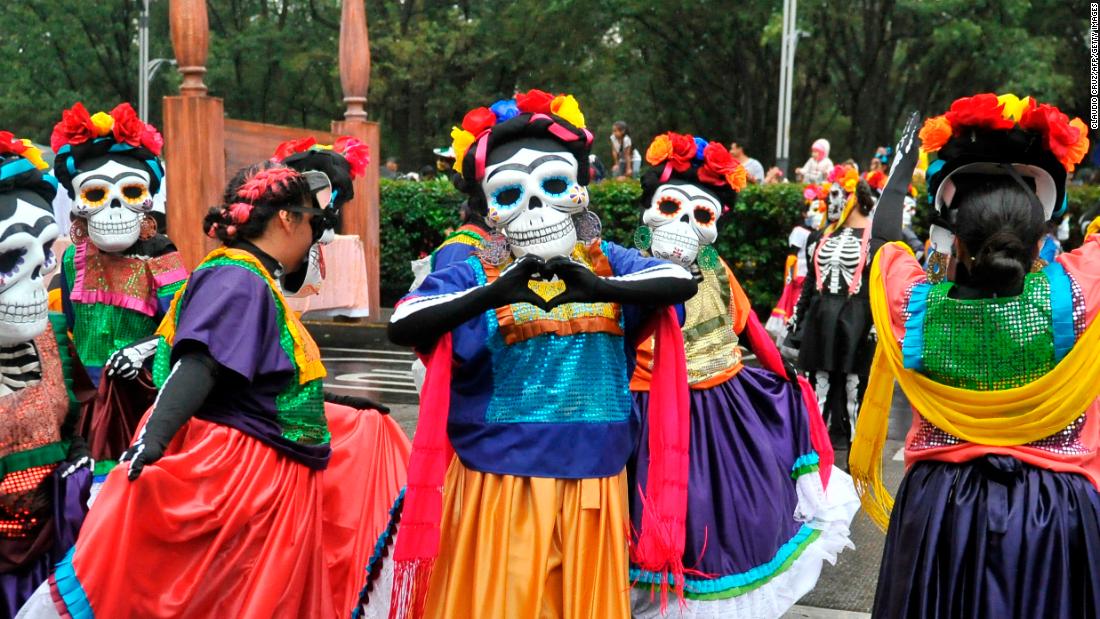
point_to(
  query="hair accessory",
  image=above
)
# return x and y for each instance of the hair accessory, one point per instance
(10, 145)
(122, 125)
(240, 211)
(677, 152)
(352, 149)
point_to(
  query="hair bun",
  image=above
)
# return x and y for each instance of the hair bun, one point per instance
(999, 258)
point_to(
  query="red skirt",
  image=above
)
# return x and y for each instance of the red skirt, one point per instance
(789, 298)
(224, 526)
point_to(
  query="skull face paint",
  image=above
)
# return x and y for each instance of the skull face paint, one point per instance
(114, 198)
(26, 258)
(532, 196)
(837, 200)
(307, 282)
(683, 217)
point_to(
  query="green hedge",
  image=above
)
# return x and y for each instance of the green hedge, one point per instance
(416, 216)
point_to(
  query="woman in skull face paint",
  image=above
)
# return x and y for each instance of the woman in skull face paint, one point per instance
(120, 273)
(751, 428)
(516, 503)
(831, 327)
(245, 495)
(44, 469)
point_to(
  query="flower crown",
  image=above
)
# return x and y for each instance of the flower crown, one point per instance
(478, 121)
(24, 148)
(876, 179)
(1066, 139)
(846, 176)
(353, 150)
(677, 151)
(122, 124)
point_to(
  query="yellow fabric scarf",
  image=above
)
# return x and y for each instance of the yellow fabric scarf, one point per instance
(999, 418)
(306, 354)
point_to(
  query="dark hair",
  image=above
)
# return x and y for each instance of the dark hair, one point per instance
(252, 198)
(517, 128)
(651, 180)
(621, 124)
(32, 184)
(1000, 228)
(94, 153)
(865, 197)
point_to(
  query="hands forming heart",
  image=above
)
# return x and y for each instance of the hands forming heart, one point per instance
(581, 284)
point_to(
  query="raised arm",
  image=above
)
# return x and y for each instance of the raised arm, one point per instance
(886, 226)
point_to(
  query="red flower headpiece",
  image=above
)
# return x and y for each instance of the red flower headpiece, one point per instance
(677, 150)
(122, 125)
(876, 179)
(353, 150)
(1066, 139)
(9, 145)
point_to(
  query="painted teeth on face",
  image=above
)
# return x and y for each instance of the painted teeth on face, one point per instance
(671, 238)
(110, 227)
(542, 235)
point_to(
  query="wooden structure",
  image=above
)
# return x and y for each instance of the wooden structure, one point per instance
(203, 148)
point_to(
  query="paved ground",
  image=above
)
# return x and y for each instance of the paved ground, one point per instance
(361, 362)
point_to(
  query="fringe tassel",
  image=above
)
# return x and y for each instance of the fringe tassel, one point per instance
(410, 588)
(656, 550)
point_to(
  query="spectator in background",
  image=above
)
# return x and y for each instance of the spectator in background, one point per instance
(818, 166)
(390, 169)
(753, 167)
(596, 171)
(880, 160)
(427, 173)
(623, 153)
(774, 176)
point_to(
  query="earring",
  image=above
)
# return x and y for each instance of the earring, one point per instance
(148, 228)
(708, 258)
(643, 238)
(78, 231)
(588, 226)
(936, 267)
(495, 250)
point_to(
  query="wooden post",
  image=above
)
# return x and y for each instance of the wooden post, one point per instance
(194, 126)
(361, 214)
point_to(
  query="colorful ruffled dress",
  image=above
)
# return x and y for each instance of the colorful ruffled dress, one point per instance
(759, 521)
(40, 510)
(267, 502)
(1006, 526)
(794, 273)
(536, 406)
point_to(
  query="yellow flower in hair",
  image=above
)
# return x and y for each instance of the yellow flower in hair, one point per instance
(1013, 106)
(568, 108)
(460, 142)
(103, 123)
(33, 155)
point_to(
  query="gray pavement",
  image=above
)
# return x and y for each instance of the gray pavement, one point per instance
(361, 362)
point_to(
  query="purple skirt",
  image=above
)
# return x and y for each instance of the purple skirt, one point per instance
(70, 504)
(746, 436)
(992, 537)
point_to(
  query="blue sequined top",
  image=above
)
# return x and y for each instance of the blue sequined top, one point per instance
(553, 402)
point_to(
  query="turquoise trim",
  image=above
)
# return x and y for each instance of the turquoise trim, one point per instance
(912, 346)
(757, 574)
(70, 589)
(806, 459)
(50, 179)
(1061, 309)
(15, 168)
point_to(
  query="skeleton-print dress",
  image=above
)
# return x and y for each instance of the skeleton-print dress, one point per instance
(40, 510)
(759, 523)
(833, 315)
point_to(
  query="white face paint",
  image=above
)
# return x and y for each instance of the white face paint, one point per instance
(908, 211)
(113, 198)
(532, 197)
(682, 217)
(815, 215)
(26, 258)
(837, 199)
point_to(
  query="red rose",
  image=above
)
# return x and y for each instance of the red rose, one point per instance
(535, 101)
(683, 151)
(10, 145)
(978, 111)
(479, 119)
(152, 140)
(75, 127)
(719, 166)
(128, 128)
(1054, 125)
(355, 151)
(291, 147)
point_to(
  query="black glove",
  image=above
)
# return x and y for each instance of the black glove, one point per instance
(886, 225)
(192, 379)
(666, 284)
(356, 402)
(420, 321)
(126, 362)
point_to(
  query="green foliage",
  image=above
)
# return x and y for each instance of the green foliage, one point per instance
(416, 217)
